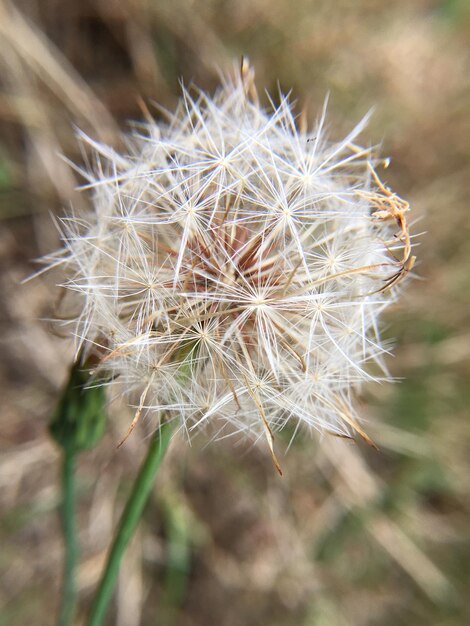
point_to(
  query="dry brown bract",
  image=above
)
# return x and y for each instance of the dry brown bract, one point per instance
(390, 206)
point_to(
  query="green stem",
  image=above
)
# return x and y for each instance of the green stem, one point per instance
(129, 520)
(67, 514)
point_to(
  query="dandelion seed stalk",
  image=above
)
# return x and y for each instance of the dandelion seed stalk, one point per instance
(67, 515)
(131, 515)
(77, 424)
(231, 273)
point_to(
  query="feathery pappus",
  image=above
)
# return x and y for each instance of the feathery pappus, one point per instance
(233, 266)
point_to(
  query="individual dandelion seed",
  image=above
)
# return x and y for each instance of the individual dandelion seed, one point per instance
(233, 267)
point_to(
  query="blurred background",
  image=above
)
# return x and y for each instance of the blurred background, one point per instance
(349, 536)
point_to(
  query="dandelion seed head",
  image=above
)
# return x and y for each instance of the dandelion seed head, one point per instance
(232, 268)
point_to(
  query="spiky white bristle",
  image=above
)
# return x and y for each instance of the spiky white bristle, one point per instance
(233, 268)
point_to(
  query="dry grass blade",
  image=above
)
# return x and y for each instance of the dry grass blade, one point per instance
(361, 488)
(38, 53)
